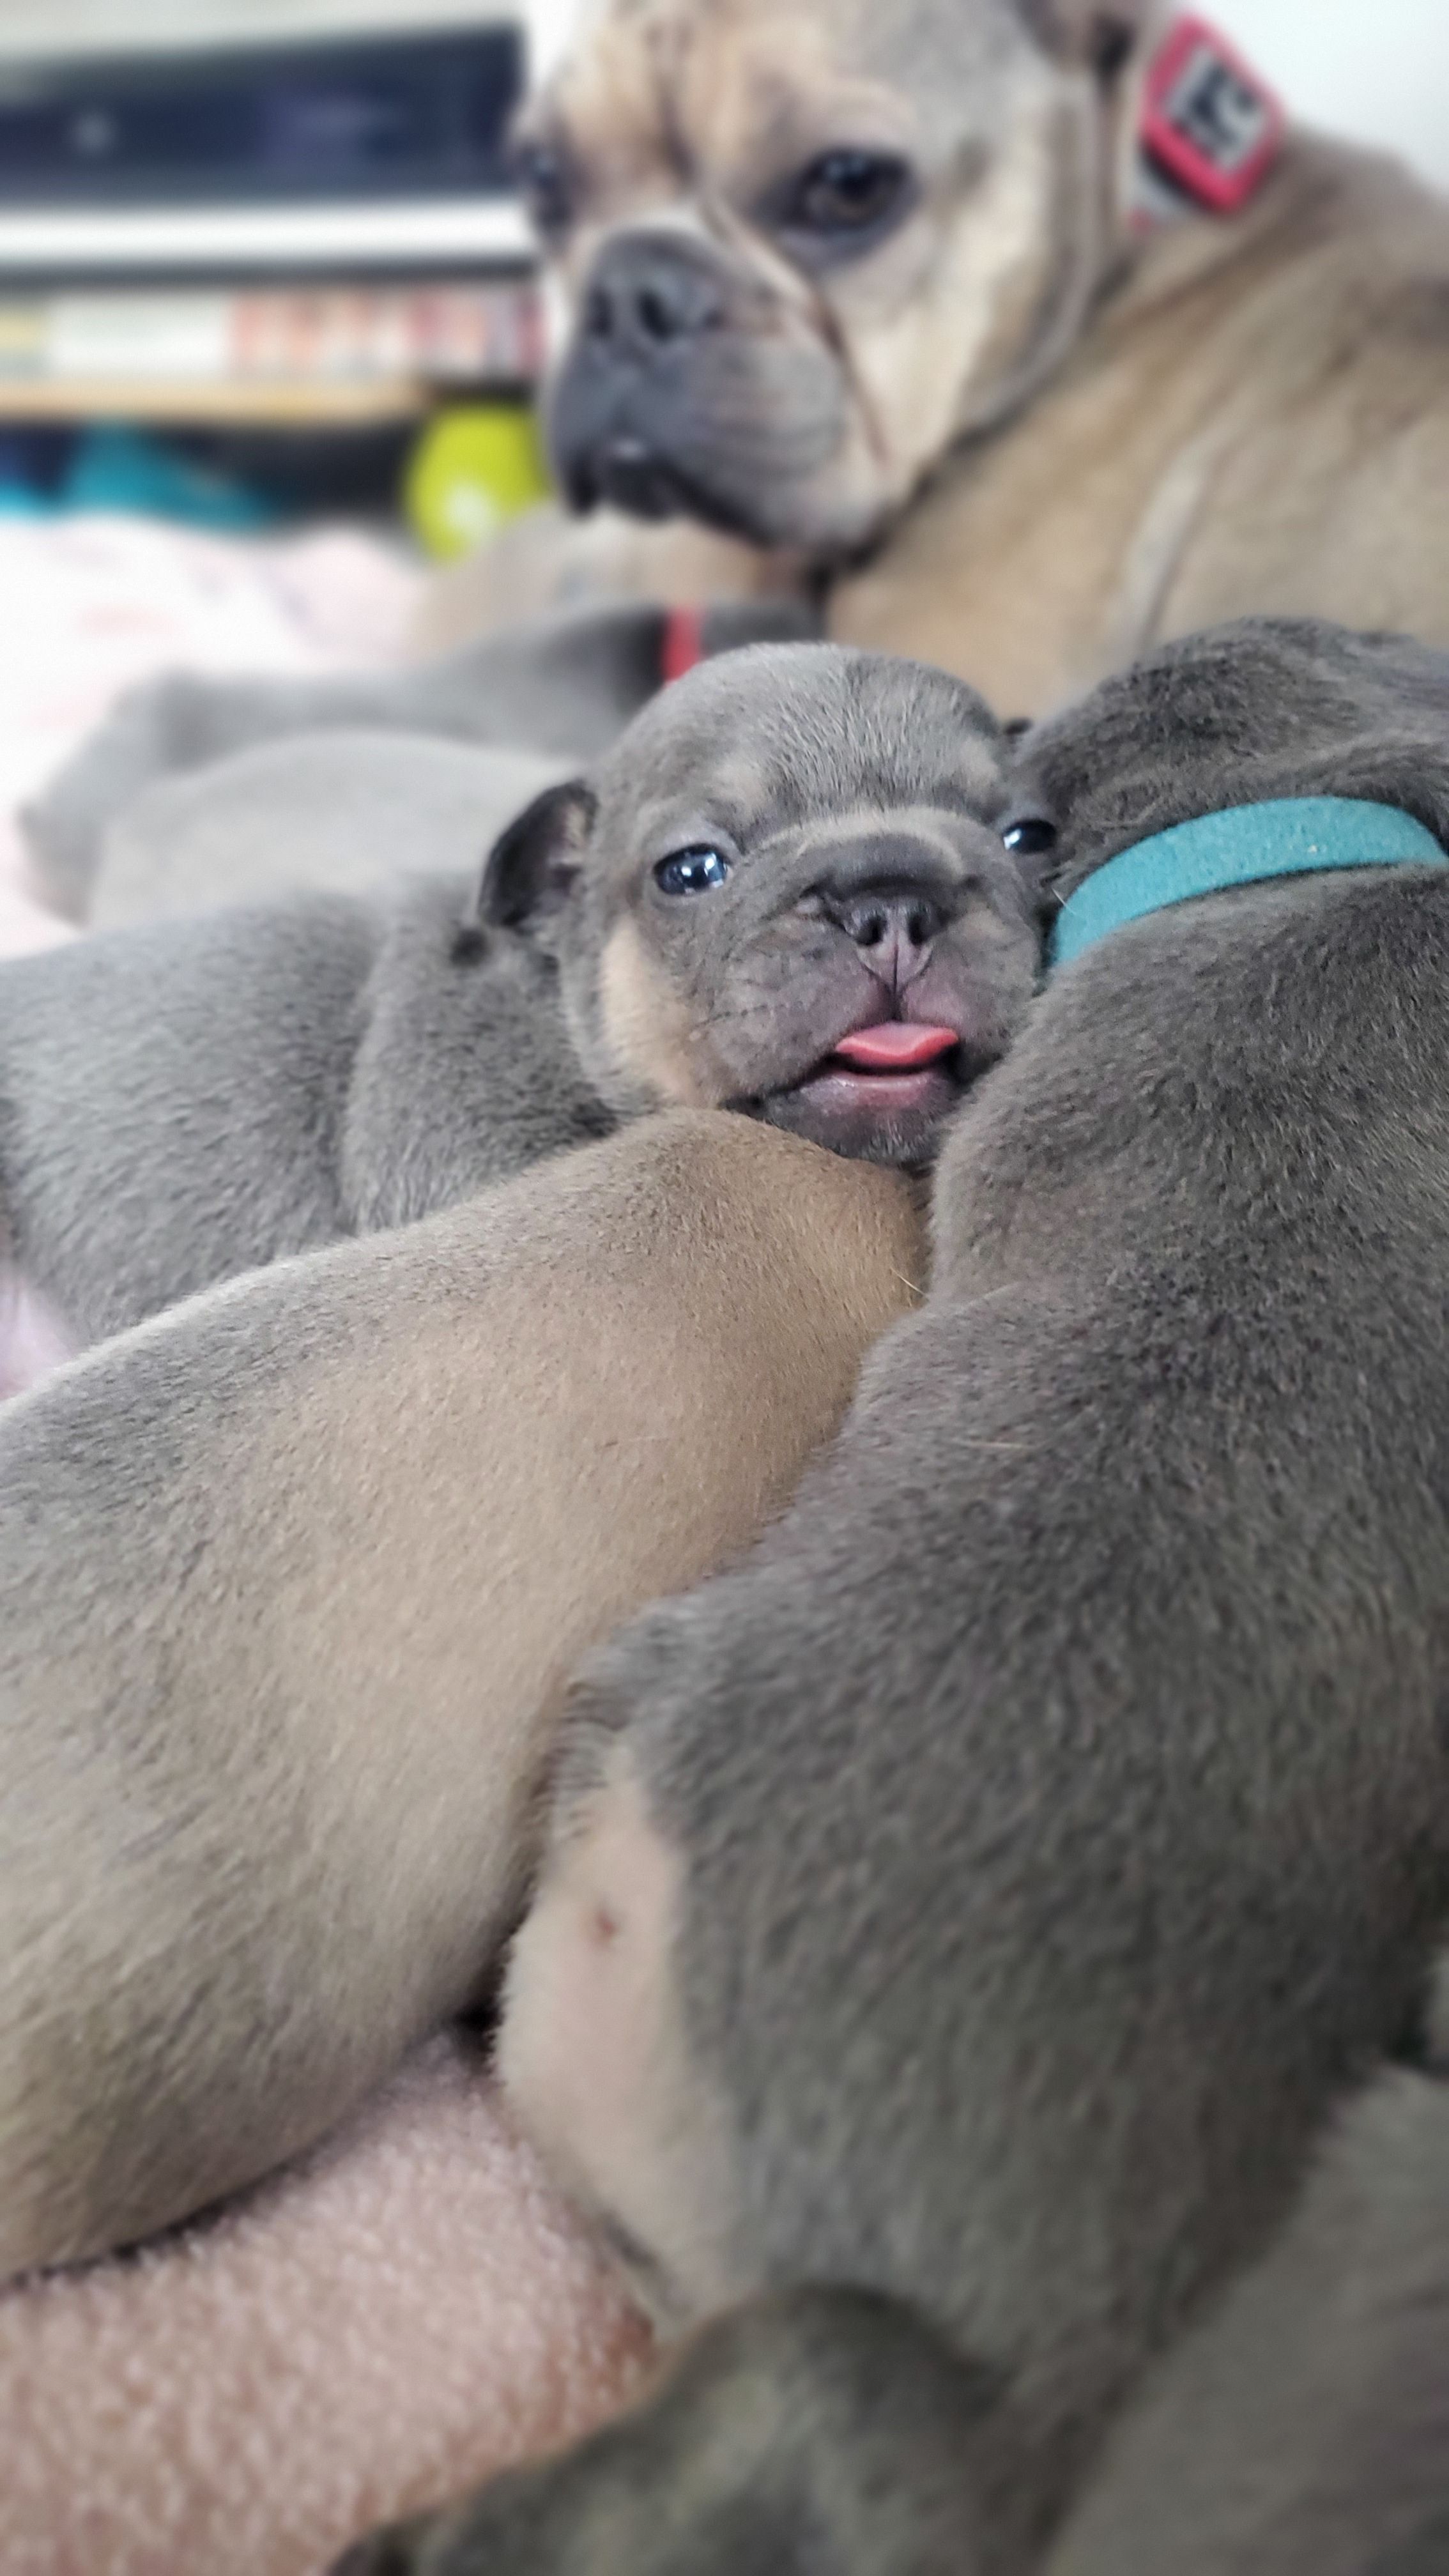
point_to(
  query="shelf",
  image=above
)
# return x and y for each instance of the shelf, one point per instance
(302, 351)
(136, 241)
(270, 406)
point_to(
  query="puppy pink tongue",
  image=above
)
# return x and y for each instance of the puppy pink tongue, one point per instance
(896, 1046)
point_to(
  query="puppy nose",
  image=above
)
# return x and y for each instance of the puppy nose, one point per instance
(893, 929)
(647, 293)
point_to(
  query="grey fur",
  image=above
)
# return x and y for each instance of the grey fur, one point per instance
(183, 1101)
(1057, 1797)
(1303, 2430)
(318, 813)
(187, 1099)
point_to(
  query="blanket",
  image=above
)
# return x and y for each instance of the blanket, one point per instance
(389, 2324)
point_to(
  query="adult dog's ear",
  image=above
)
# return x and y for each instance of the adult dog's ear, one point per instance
(530, 871)
(1103, 34)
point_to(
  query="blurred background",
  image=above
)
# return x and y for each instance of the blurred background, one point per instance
(258, 259)
(1376, 69)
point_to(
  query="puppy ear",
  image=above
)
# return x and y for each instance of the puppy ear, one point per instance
(1103, 34)
(530, 871)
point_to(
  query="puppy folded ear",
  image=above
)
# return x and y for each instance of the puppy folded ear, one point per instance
(1103, 34)
(530, 871)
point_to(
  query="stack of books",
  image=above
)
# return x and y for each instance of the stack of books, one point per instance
(319, 232)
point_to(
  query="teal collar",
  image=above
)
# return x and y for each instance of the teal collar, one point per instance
(1292, 837)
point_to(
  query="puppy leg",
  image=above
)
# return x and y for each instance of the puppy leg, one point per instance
(820, 2431)
(594, 2060)
(817, 2429)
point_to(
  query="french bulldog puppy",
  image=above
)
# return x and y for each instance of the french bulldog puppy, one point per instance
(964, 1919)
(350, 811)
(290, 1583)
(782, 892)
(888, 293)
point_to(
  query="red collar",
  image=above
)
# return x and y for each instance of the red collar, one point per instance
(1211, 130)
(682, 644)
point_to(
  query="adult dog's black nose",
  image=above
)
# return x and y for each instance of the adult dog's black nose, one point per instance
(892, 926)
(649, 291)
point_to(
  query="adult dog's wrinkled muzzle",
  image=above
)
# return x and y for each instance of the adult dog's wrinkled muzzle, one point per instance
(670, 401)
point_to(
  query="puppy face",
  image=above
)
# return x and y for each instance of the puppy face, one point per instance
(783, 893)
(1243, 714)
(802, 248)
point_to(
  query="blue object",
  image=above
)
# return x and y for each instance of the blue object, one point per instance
(32, 460)
(115, 468)
(1292, 836)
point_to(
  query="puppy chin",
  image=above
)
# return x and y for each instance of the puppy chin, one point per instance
(897, 1119)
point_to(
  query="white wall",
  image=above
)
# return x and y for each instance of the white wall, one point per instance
(1378, 69)
(1375, 68)
(96, 26)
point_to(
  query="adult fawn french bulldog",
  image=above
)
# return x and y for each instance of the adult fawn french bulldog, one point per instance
(1015, 335)
(1015, 329)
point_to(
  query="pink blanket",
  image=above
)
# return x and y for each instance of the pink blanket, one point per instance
(386, 2326)
(413, 2309)
(93, 604)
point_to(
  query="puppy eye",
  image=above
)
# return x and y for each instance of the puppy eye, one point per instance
(694, 871)
(846, 192)
(1029, 835)
(541, 176)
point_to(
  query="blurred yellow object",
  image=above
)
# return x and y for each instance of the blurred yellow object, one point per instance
(472, 470)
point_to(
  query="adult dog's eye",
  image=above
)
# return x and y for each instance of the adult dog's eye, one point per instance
(1029, 835)
(846, 192)
(693, 871)
(541, 176)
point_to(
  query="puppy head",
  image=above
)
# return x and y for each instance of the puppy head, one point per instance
(1244, 714)
(803, 248)
(783, 893)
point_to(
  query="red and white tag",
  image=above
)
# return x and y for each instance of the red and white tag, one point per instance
(1208, 121)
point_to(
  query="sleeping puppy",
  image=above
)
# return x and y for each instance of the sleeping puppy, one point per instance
(290, 1582)
(781, 893)
(560, 687)
(964, 1919)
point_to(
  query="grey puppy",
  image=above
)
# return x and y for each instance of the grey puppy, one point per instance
(564, 686)
(781, 892)
(964, 1919)
(344, 811)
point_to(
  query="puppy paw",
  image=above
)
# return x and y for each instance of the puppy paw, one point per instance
(818, 2433)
